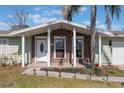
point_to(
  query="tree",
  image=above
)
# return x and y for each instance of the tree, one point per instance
(110, 10)
(19, 19)
(70, 10)
(93, 32)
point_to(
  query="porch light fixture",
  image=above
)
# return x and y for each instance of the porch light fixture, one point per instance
(61, 35)
(110, 42)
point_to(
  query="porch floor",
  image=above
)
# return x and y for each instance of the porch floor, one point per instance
(54, 65)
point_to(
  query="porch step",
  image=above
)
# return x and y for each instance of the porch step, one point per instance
(37, 65)
(65, 64)
(54, 64)
(79, 65)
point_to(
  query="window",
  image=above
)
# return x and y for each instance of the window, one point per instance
(79, 47)
(60, 47)
(3, 46)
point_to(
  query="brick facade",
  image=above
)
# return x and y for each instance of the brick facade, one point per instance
(69, 35)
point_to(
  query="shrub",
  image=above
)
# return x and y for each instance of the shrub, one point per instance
(3, 60)
(12, 59)
(99, 71)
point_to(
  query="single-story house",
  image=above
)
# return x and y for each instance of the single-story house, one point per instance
(62, 42)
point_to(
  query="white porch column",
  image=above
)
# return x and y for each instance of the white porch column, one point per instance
(100, 51)
(48, 41)
(74, 44)
(29, 57)
(23, 51)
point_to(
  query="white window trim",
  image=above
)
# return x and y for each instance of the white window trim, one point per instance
(78, 37)
(57, 37)
(7, 51)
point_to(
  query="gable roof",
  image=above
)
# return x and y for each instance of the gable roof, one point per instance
(54, 25)
(4, 33)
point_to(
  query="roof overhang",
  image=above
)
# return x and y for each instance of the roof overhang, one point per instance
(60, 24)
(118, 33)
(105, 34)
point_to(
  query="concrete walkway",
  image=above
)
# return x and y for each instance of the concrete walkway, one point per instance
(121, 67)
(29, 71)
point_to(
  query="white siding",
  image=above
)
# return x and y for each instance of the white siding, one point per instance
(3, 46)
(106, 51)
(14, 45)
(28, 50)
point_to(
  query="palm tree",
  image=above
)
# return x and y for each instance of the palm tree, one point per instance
(110, 10)
(93, 32)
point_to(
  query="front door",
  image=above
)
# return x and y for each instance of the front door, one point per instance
(41, 50)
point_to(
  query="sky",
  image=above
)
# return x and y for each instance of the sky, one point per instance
(41, 14)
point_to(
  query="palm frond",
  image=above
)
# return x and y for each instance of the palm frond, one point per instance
(111, 10)
(115, 10)
(107, 18)
(70, 10)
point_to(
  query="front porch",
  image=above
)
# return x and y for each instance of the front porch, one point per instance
(67, 48)
(72, 51)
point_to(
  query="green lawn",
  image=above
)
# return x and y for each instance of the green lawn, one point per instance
(113, 71)
(10, 77)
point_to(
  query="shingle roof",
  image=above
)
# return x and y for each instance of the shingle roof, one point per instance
(118, 32)
(4, 32)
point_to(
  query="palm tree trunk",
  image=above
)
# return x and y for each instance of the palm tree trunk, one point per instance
(93, 32)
